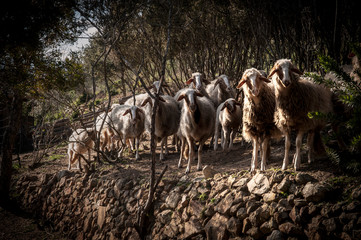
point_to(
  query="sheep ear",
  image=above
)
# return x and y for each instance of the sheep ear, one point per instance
(217, 82)
(241, 82)
(295, 70)
(224, 106)
(189, 81)
(198, 94)
(140, 111)
(273, 71)
(161, 99)
(145, 101)
(180, 97)
(126, 112)
(265, 79)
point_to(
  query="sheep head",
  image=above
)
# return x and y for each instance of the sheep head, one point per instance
(231, 105)
(190, 98)
(223, 82)
(151, 101)
(135, 114)
(284, 70)
(156, 85)
(254, 81)
(197, 80)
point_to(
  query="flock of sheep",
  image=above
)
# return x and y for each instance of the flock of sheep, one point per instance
(272, 107)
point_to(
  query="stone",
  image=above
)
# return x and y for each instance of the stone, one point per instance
(241, 213)
(173, 199)
(280, 216)
(195, 208)
(315, 192)
(246, 225)
(252, 205)
(224, 206)
(216, 227)
(284, 185)
(255, 233)
(165, 216)
(265, 228)
(356, 193)
(275, 235)
(270, 197)
(299, 202)
(192, 228)
(290, 229)
(101, 216)
(259, 184)
(241, 184)
(330, 224)
(276, 177)
(303, 178)
(208, 172)
(234, 226)
(295, 215)
(354, 206)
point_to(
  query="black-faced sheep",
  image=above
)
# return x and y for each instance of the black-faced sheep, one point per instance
(295, 98)
(258, 110)
(80, 142)
(196, 124)
(229, 119)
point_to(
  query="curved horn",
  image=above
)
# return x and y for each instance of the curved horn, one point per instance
(241, 82)
(189, 81)
(273, 70)
(126, 112)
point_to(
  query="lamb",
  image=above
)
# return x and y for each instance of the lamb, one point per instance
(196, 124)
(295, 98)
(166, 119)
(80, 142)
(128, 122)
(258, 110)
(105, 129)
(229, 117)
(219, 90)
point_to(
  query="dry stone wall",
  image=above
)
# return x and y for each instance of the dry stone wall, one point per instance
(270, 205)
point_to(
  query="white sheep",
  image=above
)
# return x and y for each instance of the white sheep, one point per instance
(166, 119)
(258, 110)
(80, 142)
(229, 118)
(219, 90)
(196, 124)
(295, 98)
(128, 123)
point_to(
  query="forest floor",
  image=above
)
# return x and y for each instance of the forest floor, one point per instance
(17, 225)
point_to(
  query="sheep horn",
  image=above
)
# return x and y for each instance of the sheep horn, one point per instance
(180, 97)
(217, 82)
(145, 101)
(241, 82)
(273, 71)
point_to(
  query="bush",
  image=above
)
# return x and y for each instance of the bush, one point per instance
(348, 113)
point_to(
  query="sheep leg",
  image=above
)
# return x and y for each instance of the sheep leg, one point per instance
(233, 135)
(264, 151)
(161, 156)
(137, 157)
(226, 135)
(190, 155)
(310, 141)
(199, 165)
(166, 146)
(254, 154)
(297, 157)
(215, 146)
(287, 151)
(181, 153)
(71, 155)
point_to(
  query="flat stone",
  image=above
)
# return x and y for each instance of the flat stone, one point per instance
(208, 172)
(303, 178)
(270, 197)
(101, 216)
(173, 199)
(315, 192)
(259, 184)
(290, 229)
(216, 227)
(275, 235)
(192, 228)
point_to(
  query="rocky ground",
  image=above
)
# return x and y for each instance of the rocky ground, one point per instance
(231, 168)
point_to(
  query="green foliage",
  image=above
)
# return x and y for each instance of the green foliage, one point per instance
(203, 197)
(347, 106)
(55, 157)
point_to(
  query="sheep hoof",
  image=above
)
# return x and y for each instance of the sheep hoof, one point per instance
(179, 165)
(138, 158)
(187, 170)
(199, 168)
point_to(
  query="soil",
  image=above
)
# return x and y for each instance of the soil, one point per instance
(17, 225)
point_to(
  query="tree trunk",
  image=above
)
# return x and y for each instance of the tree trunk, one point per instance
(13, 108)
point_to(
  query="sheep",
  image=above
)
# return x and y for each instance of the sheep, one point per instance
(229, 117)
(105, 129)
(295, 98)
(219, 90)
(166, 119)
(355, 67)
(128, 122)
(258, 110)
(80, 142)
(196, 124)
